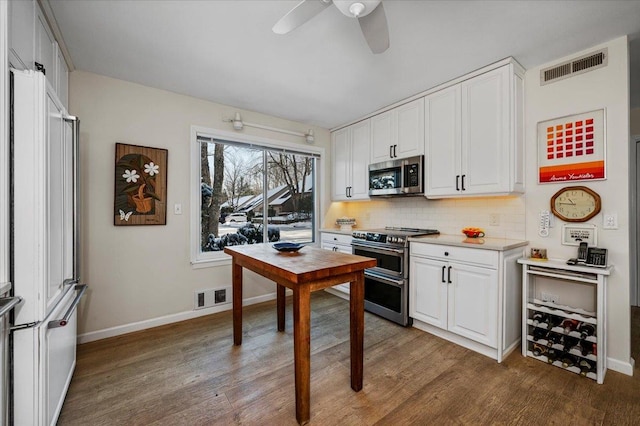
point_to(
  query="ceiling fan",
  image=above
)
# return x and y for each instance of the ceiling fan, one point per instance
(370, 15)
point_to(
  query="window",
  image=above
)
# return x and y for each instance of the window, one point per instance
(237, 179)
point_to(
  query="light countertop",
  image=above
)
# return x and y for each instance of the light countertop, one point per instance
(486, 243)
(337, 231)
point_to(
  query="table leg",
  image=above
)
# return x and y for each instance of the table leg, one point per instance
(280, 305)
(237, 302)
(302, 350)
(356, 307)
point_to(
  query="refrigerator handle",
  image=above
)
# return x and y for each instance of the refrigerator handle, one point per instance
(8, 303)
(76, 194)
(62, 322)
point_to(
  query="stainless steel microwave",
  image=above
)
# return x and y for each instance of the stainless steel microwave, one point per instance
(399, 177)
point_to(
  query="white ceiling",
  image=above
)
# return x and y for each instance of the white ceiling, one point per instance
(323, 73)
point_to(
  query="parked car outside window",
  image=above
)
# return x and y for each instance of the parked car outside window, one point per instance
(236, 217)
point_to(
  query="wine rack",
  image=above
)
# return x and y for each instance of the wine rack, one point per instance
(561, 335)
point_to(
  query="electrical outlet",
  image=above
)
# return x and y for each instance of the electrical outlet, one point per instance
(610, 221)
(548, 297)
(494, 219)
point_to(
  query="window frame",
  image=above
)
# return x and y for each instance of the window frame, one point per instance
(201, 259)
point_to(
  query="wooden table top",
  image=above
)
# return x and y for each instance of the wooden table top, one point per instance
(306, 265)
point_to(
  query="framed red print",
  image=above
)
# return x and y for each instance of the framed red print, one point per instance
(572, 148)
(140, 186)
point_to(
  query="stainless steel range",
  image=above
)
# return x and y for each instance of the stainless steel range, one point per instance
(386, 291)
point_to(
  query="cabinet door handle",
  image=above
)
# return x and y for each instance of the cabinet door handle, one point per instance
(443, 268)
(463, 182)
(390, 151)
(40, 67)
(457, 182)
(449, 276)
(395, 155)
(350, 195)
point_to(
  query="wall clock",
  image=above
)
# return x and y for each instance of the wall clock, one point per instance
(575, 204)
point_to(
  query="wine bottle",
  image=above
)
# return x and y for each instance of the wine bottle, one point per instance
(569, 342)
(586, 347)
(539, 333)
(553, 321)
(538, 318)
(553, 338)
(586, 367)
(552, 355)
(568, 360)
(586, 330)
(538, 349)
(569, 325)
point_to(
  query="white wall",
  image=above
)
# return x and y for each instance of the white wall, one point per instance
(141, 276)
(604, 88)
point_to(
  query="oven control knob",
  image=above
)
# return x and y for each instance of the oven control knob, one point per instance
(400, 240)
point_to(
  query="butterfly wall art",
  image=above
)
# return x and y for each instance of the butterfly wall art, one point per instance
(140, 185)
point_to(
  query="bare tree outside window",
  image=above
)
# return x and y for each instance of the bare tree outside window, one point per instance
(233, 196)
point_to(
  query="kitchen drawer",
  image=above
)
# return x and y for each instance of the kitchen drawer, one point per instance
(488, 258)
(329, 238)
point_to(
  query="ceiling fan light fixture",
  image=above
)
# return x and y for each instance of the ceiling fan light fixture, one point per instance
(356, 9)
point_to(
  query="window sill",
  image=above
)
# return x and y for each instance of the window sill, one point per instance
(211, 263)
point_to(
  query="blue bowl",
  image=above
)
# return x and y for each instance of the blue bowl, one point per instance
(287, 246)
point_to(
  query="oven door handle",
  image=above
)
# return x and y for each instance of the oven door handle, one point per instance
(377, 249)
(387, 280)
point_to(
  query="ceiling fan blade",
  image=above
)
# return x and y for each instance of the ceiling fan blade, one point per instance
(300, 14)
(375, 30)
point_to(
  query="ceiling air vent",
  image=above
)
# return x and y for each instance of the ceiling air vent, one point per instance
(583, 64)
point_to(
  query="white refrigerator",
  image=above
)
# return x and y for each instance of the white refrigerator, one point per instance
(45, 253)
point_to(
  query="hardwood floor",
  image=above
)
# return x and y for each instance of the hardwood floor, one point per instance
(190, 373)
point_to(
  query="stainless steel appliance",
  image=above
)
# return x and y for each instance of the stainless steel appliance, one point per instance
(45, 250)
(397, 177)
(386, 287)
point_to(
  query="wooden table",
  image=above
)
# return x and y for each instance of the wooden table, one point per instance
(308, 270)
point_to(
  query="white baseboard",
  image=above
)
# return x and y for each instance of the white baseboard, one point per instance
(621, 366)
(167, 319)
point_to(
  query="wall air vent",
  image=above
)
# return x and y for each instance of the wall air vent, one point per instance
(210, 297)
(586, 63)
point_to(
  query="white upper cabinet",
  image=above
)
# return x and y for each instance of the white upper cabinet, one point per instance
(350, 162)
(474, 136)
(21, 33)
(398, 133)
(31, 42)
(442, 141)
(62, 78)
(45, 52)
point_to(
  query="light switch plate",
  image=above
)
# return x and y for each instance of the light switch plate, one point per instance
(177, 209)
(610, 221)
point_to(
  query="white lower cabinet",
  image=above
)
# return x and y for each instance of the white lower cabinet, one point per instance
(459, 294)
(342, 244)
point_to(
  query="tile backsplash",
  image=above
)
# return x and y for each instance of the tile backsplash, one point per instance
(448, 216)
